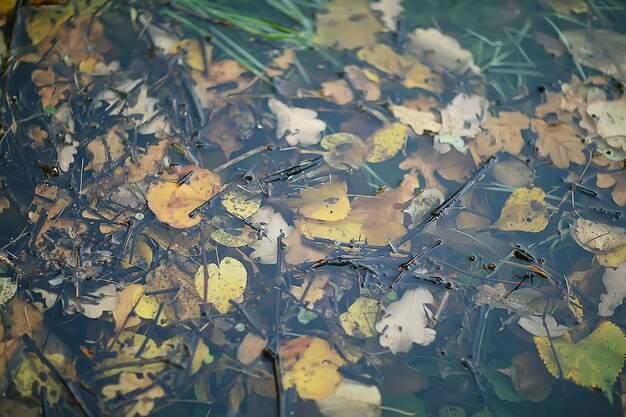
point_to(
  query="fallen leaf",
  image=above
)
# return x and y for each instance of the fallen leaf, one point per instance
(231, 232)
(535, 326)
(250, 348)
(602, 49)
(617, 179)
(441, 52)
(419, 121)
(607, 242)
(266, 249)
(552, 45)
(404, 322)
(352, 399)
(337, 91)
(177, 194)
(344, 150)
(503, 134)
(386, 142)
(524, 210)
(143, 402)
(23, 317)
(453, 166)
(530, 378)
(225, 282)
(423, 204)
(127, 347)
(315, 289)
(610, 117)
(390, 11)
(297, 125)
(45, 22)
(240, 203)
(189, 349)
(33, 378)
(364, 80)
(231, 123)
(347, 24)
(126, 302)
(106, 149)
(186, 302)
(461, 118)
(595, 362)
(410, 70)
(615, 290)
(281, 63)
(360, 319)
(327, 202)
(346, 230)
(313, 371)
(52, 87)
(513, 173)
(66, 155)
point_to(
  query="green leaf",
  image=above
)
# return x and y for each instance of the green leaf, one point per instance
(595, 362)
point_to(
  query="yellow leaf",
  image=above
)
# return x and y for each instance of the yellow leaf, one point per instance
(88, 66)
(226, 281)
(45, 22)
(178, 194)
(178, 348)
(127, 345)
(32, 374)
(143, 402)
(6, 6)
(345, 230)
(607, 242)
(386, 142)
(345, 150)
(524, 210)
(560, 141)
(313, 372)
(595, 362)
(347, 24)
(127, 300)
(193, 53)
(419, 121)
(241, 203)
(328, 202)
(231, 232)
(360, 319)
(408, 68)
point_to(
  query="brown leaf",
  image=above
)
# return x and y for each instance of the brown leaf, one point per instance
(316, 289)
(560, 141)
(107, 149)
(347, 24)
(250, 348)
(230, 125)
(24, 318)
(504, 133)
(530, 378)
(125, 306)
(617, 179)
(337, 91)
(186, 301)
(365, 81)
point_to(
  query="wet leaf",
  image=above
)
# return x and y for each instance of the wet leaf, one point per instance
(530, 378)
(560, 141)
(524, 210)
(241, 203)
(106, 149)
(338, 91)
(148, 163)
(513, 173)
(226, 281)
(502, 386)
(297, 125)
(386, 142)
(345, 150)
(66, 155)
(610, 179)
(405, 321)
(24, 318)
(413, 73)
(178, 348)
(352, 399)
(127, 299)
(177, 194)
(615, 290)
(461, 118)
(232, 233)
(452, 166)
(8, 288)
(312, 371)
(419, 121)
(32, 374)
(390, 11)
(346, 24)
(602, 49)
(250, 348)
(441, 52)
(327, 202)
(504, 133)
(595, 362)
(360, 319)
(45, 22)
(535, 326)
(345, 230)
(610, 117)
(607, 242)
(315, 289)
(265, 249)
(143, 402)
(126, 346)
(364, 80)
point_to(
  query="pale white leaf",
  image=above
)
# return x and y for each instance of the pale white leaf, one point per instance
(66, 155)
(352, 399)
(298, 126)
(390, 10)
(273, 223)
(405, 322)
(441, 52)
(535, 326)
(615, 283)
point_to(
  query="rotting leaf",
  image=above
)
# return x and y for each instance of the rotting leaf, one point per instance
(602, 49)
(607, 242)
(344, 150)
(524, 210)
(177, 194)
(352, 399)
(360, 319)
(441, 52)
(347, 24)
(312, 371)
(419, 121)
(530, 378)
(32, 373)
(595, 362)
(615, 290)
(226, 281)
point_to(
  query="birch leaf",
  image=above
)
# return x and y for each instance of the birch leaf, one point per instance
(524, 210)
(226, 281)
(595, 362)
(386, 142)
(441, 52)
(534, 325)
(299, 126)
(607, 242)
(360, 318)
(615, 283)
(328, 202)
(404, 322)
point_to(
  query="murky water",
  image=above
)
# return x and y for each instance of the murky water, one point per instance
(342, 208)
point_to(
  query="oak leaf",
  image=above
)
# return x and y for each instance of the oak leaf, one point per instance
(560, 141)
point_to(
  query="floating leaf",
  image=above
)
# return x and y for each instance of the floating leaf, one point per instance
(250, 348)
(386, 142)
(127, 346)
(232, 233)
(419, 121)
(524, 210)
(462, 117)
(337, 91)
(610, 117)
(265, 249)
(360, 319)
(328, 202)
(352, 399)
(8, 288)
(504, 133)
(345, 150)
(615, 284)
(560, 141)
(607, 242)
(404, 322)
(535, 325)
(347, 24)
(43, 23)
(297, 125)
(240, 203)
(176, 195)
(313, 371)
(502, 386)
(345, 230)
(364, 80)
(126, 302)
(441, 52)
(595, 362)
(226, 281)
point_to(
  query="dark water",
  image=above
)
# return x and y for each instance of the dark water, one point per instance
(145, 145)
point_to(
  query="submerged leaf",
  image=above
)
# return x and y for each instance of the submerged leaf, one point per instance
(419, 121)
(226, 281)
(328, 202)
(345, 150)
(266, 248)
(441, 52)
(607, 242)
(595, 362)
(615, 284)
(404, 322)
(524, 210)
(560, 141)
(602, 49)
(299, 126)
(386, 142)
(347, 24)
(360, 319)
(352, 399)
